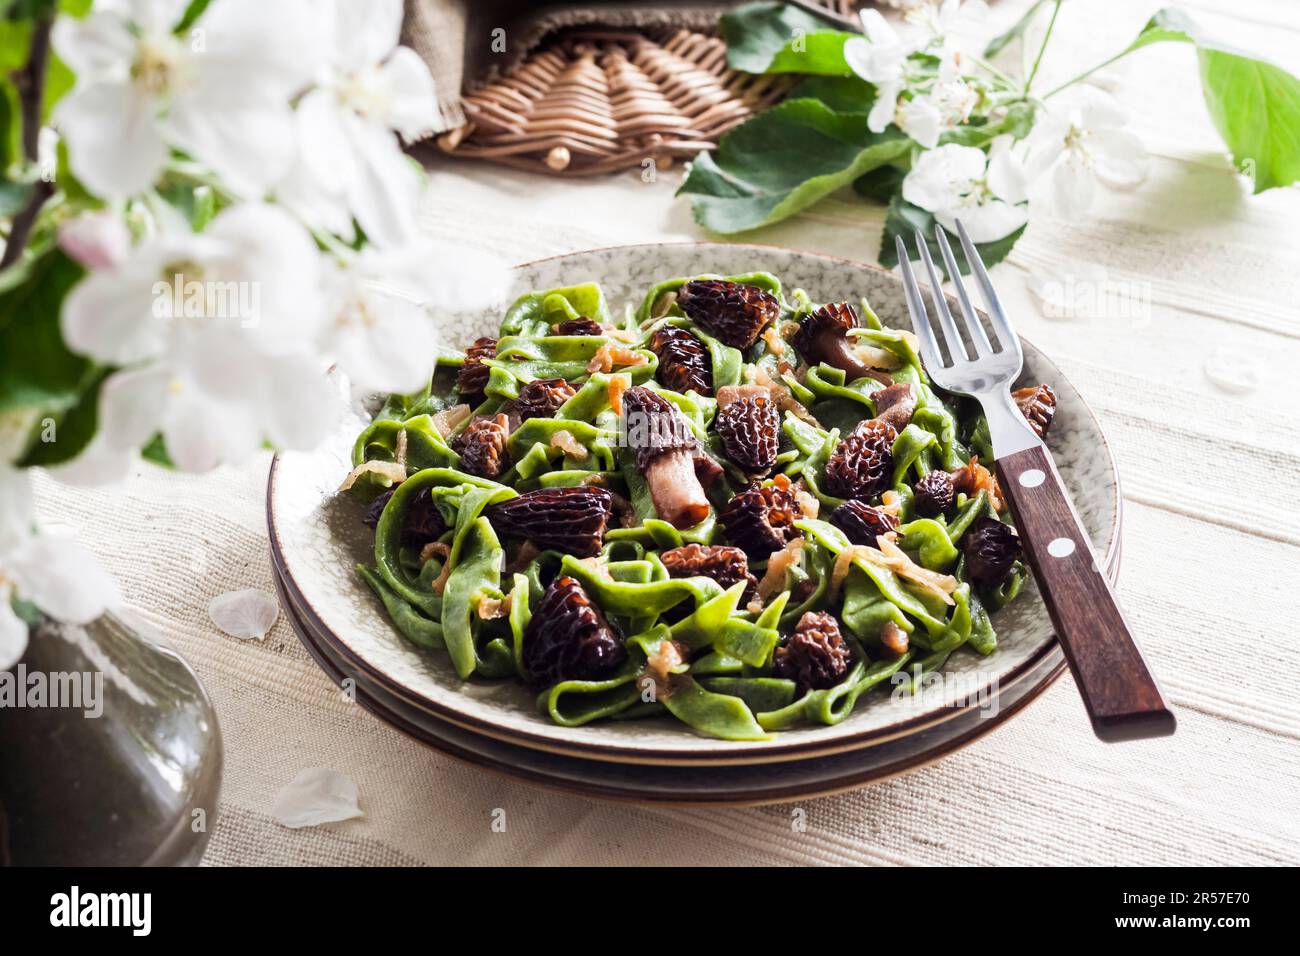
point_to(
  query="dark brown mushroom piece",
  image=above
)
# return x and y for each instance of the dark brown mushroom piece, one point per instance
(895, 404)
(724, 564)
(472, 378)
(815, 656)
(570, 519)
(760, 519)
(569, 638)
(669, 456)
(582, 325)
(733, 312)
(1038, 404)
(421, 524)
(823, 337)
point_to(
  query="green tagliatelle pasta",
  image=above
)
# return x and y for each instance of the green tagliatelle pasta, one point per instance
(866, 547)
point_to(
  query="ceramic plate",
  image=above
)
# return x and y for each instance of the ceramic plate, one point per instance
(694, 785)
(317, 539)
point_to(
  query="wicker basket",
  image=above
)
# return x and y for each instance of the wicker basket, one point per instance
(594, 101)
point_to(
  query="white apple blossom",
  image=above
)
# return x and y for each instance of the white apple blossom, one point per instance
(382, 331)
(1078, 140)
(949, 102)
(52, 572)
(218, 335)
(959, 182)
(925, 116)
(880, 58)
(952, 95)
(213, 402)
(369, 91)
(881, 55)
(943, 19)
(253, 273)
(920, 119)
(220, 92)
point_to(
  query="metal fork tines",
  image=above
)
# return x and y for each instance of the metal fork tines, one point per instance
(987, 374)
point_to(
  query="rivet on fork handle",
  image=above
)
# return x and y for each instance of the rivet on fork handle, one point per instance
(1120, 694)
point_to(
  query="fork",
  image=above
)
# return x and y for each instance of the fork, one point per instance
(1120, 694)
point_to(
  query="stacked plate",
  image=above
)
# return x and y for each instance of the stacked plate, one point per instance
(317, 539)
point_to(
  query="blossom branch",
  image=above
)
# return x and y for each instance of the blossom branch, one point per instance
(30, 84)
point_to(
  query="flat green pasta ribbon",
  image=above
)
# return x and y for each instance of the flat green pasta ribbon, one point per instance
(476, 576)
(535, 313)
(832, 705)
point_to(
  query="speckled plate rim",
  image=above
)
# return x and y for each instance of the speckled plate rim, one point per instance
(430, 733)
(780, 748)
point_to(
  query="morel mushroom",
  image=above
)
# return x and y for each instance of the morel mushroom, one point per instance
(472, 378)
(567, 519)
(669, 456)
(823, 337)
(582, 325)
(482, 447)
(722, 563)
(1038, 404)
(684, 362)
(991, 548)
(733, 312)
(895, 404)
(750, 430)
(861, 523)
(760, 519)
(568, 638)
(862, 463)
(421, 524)
(934, 494)
(542, 398)
(815, 656)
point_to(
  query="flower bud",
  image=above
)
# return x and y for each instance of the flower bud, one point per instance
(96, 240)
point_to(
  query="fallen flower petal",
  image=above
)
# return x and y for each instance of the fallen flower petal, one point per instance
(317, 795)
(246, 614)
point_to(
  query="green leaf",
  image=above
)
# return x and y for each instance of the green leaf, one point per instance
(904, 219)
(881, 184)
(15, 37)
(779, 38)
(73, 430)
(782, 161)
(59, 80)
(1254, 105)
(1017, 30)
(156, 452)
(13, 193)
(843, 94)
(36, 369)
(191, 14)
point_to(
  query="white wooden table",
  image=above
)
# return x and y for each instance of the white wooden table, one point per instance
(1211, 562)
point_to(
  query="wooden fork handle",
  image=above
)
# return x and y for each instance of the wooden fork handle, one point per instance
(1122, 697)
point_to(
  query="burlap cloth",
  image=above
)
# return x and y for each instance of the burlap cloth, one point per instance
(1210, 566)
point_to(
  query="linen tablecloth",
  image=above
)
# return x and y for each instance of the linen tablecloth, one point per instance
(1211, 544)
